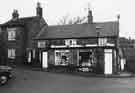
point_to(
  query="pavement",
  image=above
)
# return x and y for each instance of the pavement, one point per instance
(86, 74)
(120, 75)
(39, 81)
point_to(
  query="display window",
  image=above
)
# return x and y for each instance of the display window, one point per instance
(62, 57)
(87, 58)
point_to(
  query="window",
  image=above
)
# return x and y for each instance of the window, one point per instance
(102, 41)
(69, 42)
(11, 53)
(41, 44)
(62, 57)
(11, 33)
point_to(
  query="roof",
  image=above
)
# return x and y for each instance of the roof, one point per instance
(20, 21)
(106, 29)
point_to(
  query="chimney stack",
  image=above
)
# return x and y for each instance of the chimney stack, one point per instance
(15, 14)
(39, 10)
(90, 17)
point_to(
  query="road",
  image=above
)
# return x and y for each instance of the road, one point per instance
(28, 81)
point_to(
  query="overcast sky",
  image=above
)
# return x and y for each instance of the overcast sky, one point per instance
(53, 10)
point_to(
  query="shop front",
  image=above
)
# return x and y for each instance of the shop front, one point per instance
(92, 60)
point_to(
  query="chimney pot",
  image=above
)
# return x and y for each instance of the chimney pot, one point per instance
(90, 17)
(39, 10)
(15, 14)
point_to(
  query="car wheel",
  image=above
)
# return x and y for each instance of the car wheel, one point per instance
(3, 79)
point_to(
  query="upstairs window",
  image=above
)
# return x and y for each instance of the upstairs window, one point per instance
(69, 42)
(102, 41)
(11, 34)
(41, 44)
(11, 53)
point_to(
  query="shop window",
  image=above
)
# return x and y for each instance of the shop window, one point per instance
(11, 53)
(62, 57)
(11, 34)
(69, 42)
(41, 44)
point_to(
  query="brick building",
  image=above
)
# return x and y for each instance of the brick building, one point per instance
(18, 36)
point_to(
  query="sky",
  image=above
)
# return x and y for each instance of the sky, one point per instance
(54, 10)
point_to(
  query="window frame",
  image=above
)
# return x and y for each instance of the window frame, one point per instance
(11, 53)
(41, 44)
(102, 41)
(11, 34)
(69, 42)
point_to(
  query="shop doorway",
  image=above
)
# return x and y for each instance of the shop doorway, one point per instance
(86, 61)
(84, 57)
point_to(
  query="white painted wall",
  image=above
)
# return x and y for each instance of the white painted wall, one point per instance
(123, 62)
(29, 57)
(45, 60)
(108, 61)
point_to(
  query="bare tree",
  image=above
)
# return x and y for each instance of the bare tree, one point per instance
(75, 20)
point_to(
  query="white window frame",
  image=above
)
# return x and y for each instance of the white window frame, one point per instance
(41, 44)
(69, 42)
(11, 34)
(11, 53)
(102, 41)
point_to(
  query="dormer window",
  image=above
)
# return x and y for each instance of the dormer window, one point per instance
(11, 34)
(69, 42)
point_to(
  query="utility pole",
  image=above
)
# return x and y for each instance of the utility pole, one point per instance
(117, 44)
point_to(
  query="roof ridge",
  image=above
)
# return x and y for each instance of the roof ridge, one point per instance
(21, 20)
(27, 17)
(106, 22)
(64, 25)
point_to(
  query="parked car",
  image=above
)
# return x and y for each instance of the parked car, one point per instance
(5, 74)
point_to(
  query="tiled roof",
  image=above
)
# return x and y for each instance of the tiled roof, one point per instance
(108, 29)
(20, 21)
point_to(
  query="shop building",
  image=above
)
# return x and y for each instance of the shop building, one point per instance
(87, 46)
(91, 46)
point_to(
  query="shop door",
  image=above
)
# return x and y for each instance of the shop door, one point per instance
(44, 60)
(84, 57)
(108, 61)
